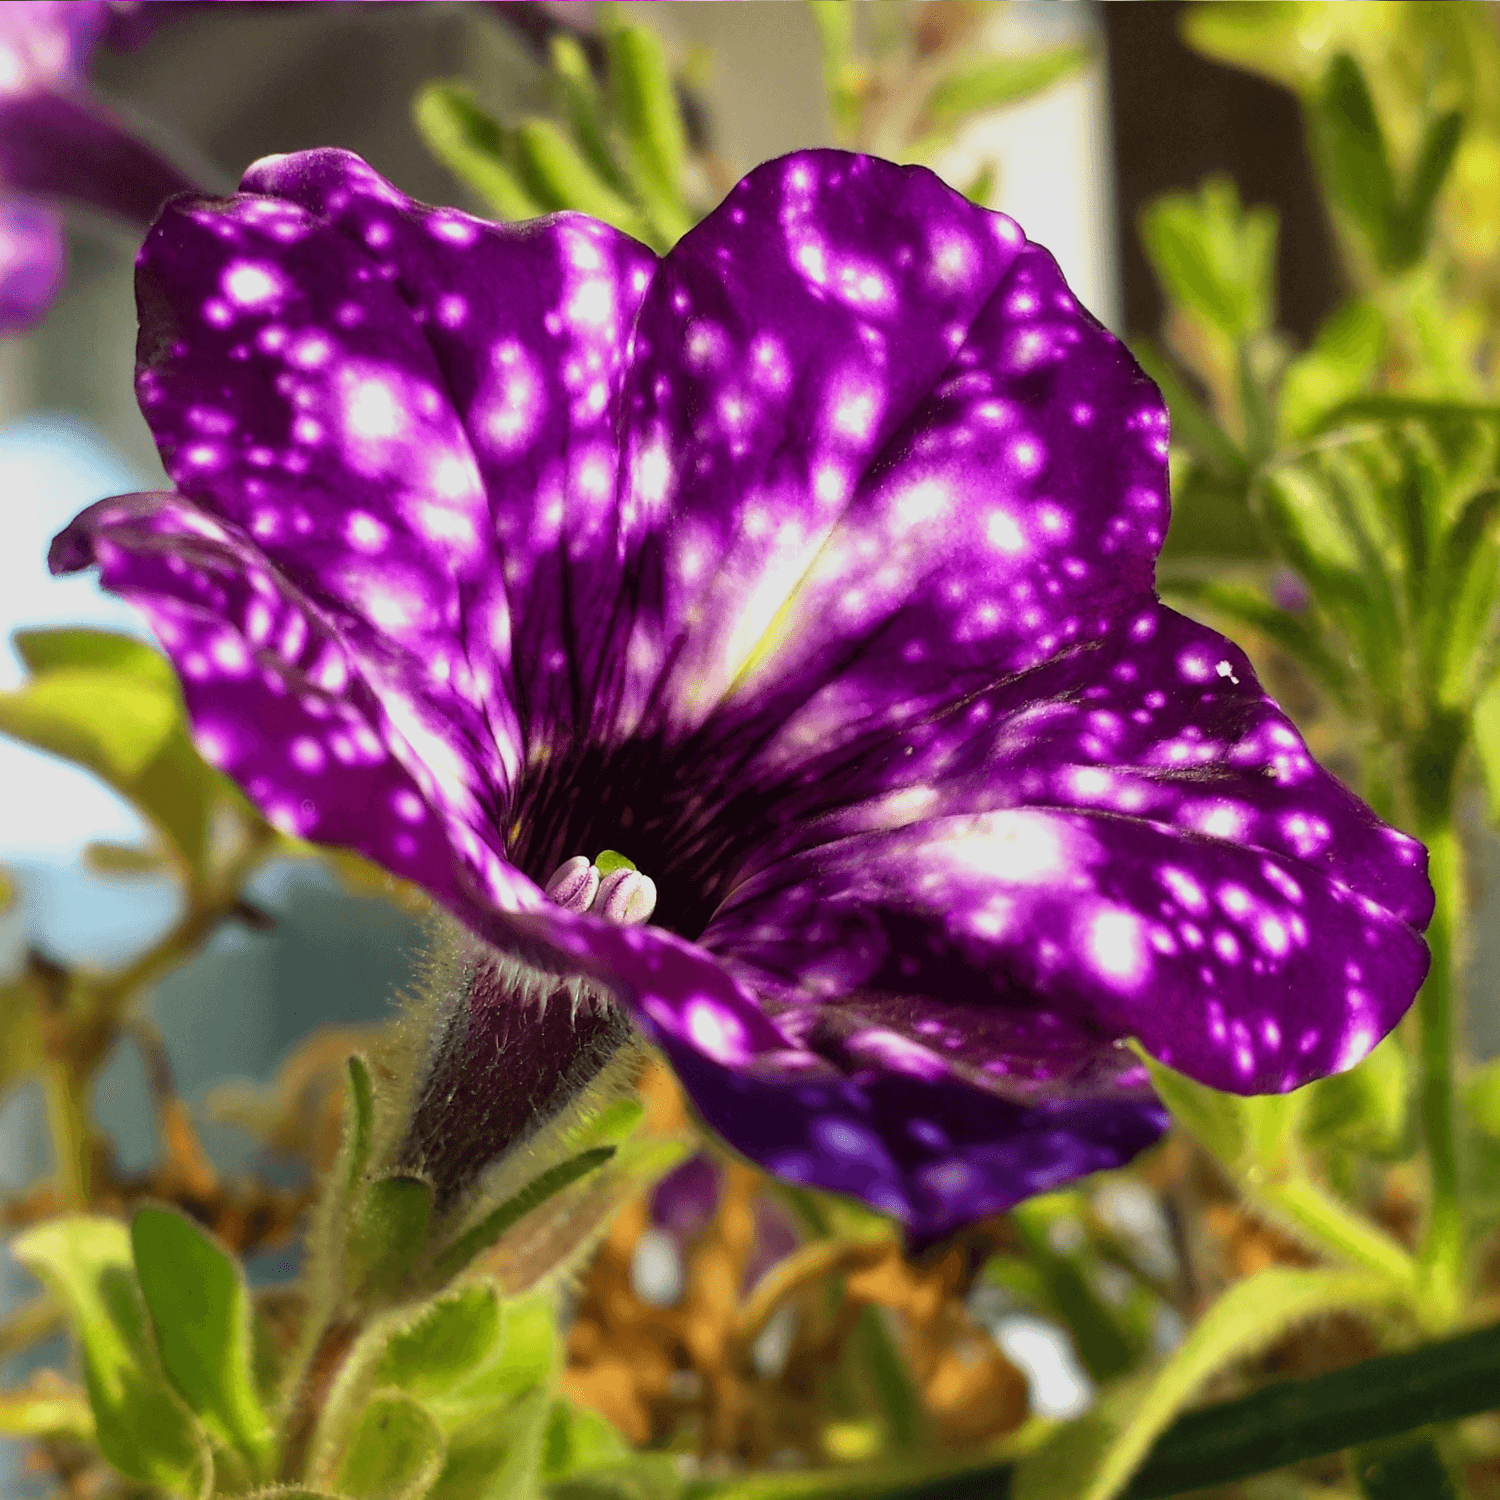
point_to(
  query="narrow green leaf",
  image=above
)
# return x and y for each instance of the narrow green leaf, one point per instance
(583, 108)
(455, 1335)
(1102, 1346)
(980, 188)
(897, 1400)
(998, 81)
(1094, 1458)
(1294, 1420)
(556, 174)
(470, 144)
(655, 145)
(359, 1120)
(1214, 259)
(843, 78)
(498, 1457)
(143, 1429)
(1402, 1471)
(1434, 158)
(1337, 367)
(487, 1231)
(1355, 161)
(200, 1312)
(395, 1452)
(388, 1232)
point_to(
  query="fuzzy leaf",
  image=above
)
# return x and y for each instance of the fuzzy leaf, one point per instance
(395, 1452)
(359, 1120)
(387, 1234)
(998, 81)
(470, 144)
(579, 1438)
(200, 1311)
(143, 1429)
(454, 1337)
(497, 1459)
(475, 1241)
(1094, 1458)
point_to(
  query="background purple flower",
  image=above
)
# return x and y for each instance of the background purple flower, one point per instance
(58, 144)
(812, 567)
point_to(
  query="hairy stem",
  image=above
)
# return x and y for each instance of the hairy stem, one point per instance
(1442, 1253)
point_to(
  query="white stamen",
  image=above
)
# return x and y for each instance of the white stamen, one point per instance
(574, 884)
(626, 897)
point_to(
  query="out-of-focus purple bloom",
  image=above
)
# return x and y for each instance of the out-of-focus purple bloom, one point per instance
(685, 1199)
(1288, 591)
(810, 565)
(58, 144)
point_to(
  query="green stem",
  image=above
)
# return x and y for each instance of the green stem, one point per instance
(1442, 1252)
(1322, 1219)
(67, 1126)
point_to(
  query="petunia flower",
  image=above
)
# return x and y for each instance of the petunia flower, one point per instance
(58, 144)
(811, 567)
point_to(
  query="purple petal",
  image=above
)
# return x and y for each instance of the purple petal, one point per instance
(279, 703)
(529, 328)
(31, 262)
(46, 44)
(58, 146)
(685, 1199)
(1250, 972)
(932, 1150)
(898, 456)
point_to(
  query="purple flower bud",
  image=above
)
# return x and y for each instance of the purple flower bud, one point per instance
(1288, 591)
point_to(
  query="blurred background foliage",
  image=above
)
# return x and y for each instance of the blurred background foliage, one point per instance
(1336, 480)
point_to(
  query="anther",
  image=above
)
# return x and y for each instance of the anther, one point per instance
(574, 885)
(625, 896)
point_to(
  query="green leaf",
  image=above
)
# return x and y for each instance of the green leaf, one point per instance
(103, 650)
(143, 1429)
(579, 1438)
(1102, 1346)
(1402, 1471)
(200, 1312)
(395, 1452)
(1213, 259)
(1338, 366)
(896, 1398)
(1365, 1108)
(475, 1241)
(111, 704)
(1352, 152)
(643, 1476)
(998, 81)
(557, 176)
(454, 1337)
(359, 1120)
(1094, 1458)
(583, 108)
(387, 1234)
(1434, 158)
(498, 1458)
(470, 144)
(645, 107)
(1266, 37)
